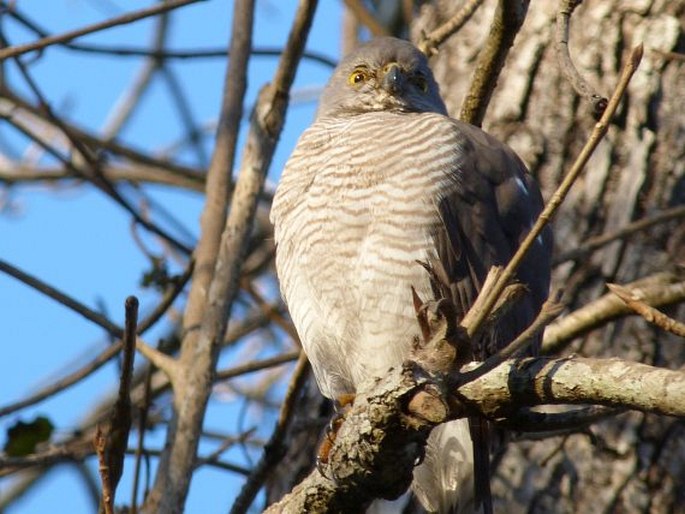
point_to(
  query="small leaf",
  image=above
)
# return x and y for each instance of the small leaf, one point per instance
(22, 438)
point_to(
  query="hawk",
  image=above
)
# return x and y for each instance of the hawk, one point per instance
(382, 180)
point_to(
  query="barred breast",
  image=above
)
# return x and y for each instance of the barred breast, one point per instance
(351, 221)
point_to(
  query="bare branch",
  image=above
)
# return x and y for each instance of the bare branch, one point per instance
(657, 290)
(508, 19)
(170, 295)
(366, 18)
(15, 51)
(274, 450)
(125, 106)
(206, 327)
(594, 243)
(251, 367)
(100, 444)
(163, 167)
(550, 310)
(580, 85)
(62, 298)
(648, 312)
(111, 445)
(560, 194)
(429, 43)
(365, 464)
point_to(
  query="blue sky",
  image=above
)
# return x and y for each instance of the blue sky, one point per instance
(79, 241)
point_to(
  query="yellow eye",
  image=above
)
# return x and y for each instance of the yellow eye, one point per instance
(357, 77)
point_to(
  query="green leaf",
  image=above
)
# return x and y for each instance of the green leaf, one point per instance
(22, 438)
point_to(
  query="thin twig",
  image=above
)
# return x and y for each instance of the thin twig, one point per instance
(94, 174)
(62, 298)
(259, 365)
(124, 107)
(672, 56)
(559, 195)
(506, 23)
(15, 51)
(100, 444)
(594, 243)
(274, 450)
(98, 144)
(185, 113)
(20, 173)
(366, 18)
(162, 54)
(429, 43)
(648, 312)
(580, 85)
(658, 290)
(550, 310)
(104, 356)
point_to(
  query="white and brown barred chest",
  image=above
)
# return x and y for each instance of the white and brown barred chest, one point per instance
(351, 220)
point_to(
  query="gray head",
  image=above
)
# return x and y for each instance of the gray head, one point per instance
(385, 74)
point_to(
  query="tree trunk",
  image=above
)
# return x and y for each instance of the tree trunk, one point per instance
(634, 462)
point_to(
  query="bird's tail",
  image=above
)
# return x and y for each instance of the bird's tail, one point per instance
(444, 482)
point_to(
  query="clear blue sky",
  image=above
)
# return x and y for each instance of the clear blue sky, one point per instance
(80, 242)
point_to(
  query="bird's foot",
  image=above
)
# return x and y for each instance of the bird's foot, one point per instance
(341, 405)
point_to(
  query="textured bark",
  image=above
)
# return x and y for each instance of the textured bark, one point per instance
(633, 463)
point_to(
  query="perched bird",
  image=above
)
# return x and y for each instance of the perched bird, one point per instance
(384, 178)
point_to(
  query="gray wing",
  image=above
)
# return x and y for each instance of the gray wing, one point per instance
(484, 219)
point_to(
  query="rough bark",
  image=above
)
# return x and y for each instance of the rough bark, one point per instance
(633, 463)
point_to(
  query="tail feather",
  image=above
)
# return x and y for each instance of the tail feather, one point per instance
(481, 463)
(443, 483)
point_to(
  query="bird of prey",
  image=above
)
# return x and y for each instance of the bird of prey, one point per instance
(381, 180)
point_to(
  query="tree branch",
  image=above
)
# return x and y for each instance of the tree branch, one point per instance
(600, 129)
(192, 384)
(274, 450)
(592, 244)
(220, 282)
(505, 25)
(15, 51)
(580, 85)
(366, 18)
(429, 43)
(648, 312)
(657, 290)
(374, 451)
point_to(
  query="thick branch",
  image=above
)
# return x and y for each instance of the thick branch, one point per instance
(192, 384)
(201, 346)
(365, 462)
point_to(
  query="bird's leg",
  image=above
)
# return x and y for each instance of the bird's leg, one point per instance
(341, 405)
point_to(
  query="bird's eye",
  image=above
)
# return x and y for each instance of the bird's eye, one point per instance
(357, 77)
(420, 82)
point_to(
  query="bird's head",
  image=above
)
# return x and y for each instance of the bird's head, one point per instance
(385, 74)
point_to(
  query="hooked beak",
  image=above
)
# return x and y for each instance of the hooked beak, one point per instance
(393, 80)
